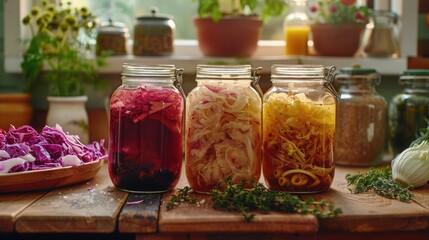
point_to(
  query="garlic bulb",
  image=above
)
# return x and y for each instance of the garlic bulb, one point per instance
(412, 165)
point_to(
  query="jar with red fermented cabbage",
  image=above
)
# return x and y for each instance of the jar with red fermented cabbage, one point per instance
(146, 127)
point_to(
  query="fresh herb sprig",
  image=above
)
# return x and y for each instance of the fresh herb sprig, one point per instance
(381, 181)
(247, 197)
(182, 195)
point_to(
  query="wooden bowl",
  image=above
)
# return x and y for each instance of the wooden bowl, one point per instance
(48, 178)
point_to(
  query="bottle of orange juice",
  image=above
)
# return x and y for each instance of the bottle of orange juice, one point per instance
(296, 28)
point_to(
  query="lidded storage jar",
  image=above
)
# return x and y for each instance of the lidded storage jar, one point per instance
(408, 110)
(112, 37)
(154, 35)
(223, 122)
(146, 127)
(361, 120)
(299, 128)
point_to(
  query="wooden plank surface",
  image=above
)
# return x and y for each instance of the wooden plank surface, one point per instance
(91, 206)
(368, 212)
(202, 218)
(12, 204)
(140, 214)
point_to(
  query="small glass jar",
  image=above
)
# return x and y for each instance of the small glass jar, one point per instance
(299, 129)
(146, 128)
(112, 37)
(408, 110)
(223, 122)
(296, 28)
(154, 35)
(362, 118)
(380, 38)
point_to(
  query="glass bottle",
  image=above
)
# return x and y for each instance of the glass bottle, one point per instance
(223, 123)
(362, 117)
(146, 128)
(296, 28)
(380, 39)
(408, 110)
(299, 128)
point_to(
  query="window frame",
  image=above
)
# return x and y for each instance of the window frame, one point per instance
(187, 53)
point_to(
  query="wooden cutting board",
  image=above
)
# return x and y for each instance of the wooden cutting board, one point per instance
(202, 218)
(91, 206)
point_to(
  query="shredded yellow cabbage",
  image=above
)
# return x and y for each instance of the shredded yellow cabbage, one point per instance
(298, 139)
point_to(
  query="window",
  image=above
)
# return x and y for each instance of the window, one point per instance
(182, 11)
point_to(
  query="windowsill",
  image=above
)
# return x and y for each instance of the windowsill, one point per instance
(187, 56)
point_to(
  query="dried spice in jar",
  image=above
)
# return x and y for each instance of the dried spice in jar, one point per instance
(361, 121)
(146, 129)
(409, 110)
(223, 122)
(154, 35)
(299, 129)
(112, 37)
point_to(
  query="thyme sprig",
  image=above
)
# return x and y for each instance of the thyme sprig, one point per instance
(247, 197)
(182, 195)
(381, 181)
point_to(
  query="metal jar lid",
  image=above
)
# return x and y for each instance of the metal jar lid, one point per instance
(113, 28)
(155, 16)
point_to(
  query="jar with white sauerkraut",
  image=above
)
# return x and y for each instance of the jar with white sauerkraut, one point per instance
(223, 122)
(299, 129)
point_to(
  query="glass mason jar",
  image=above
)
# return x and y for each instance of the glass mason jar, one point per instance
(146, 126)
(223, 122)
(296, 27)
(362, 117)
(408, 110)
(299, 128)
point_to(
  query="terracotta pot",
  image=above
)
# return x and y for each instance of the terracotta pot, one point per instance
(229, 37)
(15, 109)
(332, 40)
(70, 113)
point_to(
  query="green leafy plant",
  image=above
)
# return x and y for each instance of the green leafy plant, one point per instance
(61, 41)
(265, 8)
(338, 12)
(381, 181)
(253, 196)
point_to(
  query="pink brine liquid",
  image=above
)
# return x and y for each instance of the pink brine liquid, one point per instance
(145, 147)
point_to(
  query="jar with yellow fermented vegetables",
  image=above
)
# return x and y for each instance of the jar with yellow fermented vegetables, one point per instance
(299, 128)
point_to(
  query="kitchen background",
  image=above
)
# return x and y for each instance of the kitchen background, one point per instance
(13, 82)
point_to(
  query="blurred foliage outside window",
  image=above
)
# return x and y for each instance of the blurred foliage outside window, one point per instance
(182, 11)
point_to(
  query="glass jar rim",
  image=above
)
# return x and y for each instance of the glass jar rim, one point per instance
(282, 71)
(223, 72)
(148, 70)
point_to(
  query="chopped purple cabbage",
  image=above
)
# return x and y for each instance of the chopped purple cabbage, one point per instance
(48, 148)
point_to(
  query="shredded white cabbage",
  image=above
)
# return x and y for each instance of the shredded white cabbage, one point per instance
(224, 135)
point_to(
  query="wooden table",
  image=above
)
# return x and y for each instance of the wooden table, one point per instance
(97, 209)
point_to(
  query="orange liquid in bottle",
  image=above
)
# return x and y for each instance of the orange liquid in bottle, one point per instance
(296, 40)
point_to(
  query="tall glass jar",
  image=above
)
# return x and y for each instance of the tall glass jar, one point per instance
(362, 118)
(299, 128)
(296, 28)
(408, 110)
(223, 122)
(146, 127)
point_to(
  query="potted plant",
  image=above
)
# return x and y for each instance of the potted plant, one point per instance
(231, 28)
(337, 26)
(60, 47)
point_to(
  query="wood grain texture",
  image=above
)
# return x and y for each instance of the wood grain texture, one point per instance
(368, 212)
(87, 207)
(48, 178)
(12, 204)
(140, 214)
(203, 218)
